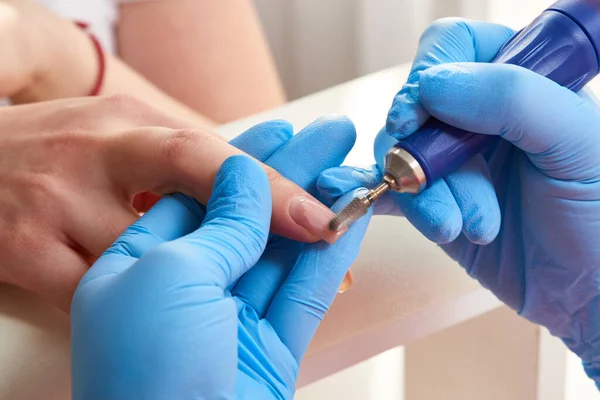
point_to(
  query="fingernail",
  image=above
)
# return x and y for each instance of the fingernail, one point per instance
(347, 282)
(314, 217)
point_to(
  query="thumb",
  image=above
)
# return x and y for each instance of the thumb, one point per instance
(234, 233)
(553, 125)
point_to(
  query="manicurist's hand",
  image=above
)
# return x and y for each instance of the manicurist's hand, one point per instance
(202, 303)
(523, 218)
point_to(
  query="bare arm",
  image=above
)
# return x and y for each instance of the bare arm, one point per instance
(210, 55)
(120, 78)
(50, 58)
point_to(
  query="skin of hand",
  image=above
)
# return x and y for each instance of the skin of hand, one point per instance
(195, 54)
(545, 260)
(49, 57)
(69, 170)
(188, 303)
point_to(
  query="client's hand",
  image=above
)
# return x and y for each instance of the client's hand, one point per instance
(69, 170)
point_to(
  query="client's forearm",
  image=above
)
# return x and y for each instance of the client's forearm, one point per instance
(63, 62)
(120, 78)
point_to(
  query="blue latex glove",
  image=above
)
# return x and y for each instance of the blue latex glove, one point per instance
(545, 262)
(153, 318)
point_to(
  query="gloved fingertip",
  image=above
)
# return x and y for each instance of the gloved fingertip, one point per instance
(382, 144)
(406, 114)
(329, 139)
(475, 195)
(262, 140)
(444, 232)
(483, 229)
(335, 182)
(329, 186)
(281, 125)
(339, 125)
(402, 121)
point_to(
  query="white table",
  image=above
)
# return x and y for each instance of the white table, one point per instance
(405, 289)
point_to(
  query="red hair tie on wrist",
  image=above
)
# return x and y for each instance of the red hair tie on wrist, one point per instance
(101, 59)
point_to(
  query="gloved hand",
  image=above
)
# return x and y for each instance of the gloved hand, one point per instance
(154, 317)
(545, 261)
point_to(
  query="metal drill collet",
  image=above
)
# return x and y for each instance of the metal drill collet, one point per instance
(402, 174)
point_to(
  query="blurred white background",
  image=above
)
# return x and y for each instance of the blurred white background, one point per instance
(321, 43)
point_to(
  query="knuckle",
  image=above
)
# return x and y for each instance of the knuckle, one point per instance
(124, 106)
(275, 178)
(71, 143)
(24, 237)
(177, 143)
(133, 110)
(38, 187)
(179, 146)
(121, 102)
(65, 153)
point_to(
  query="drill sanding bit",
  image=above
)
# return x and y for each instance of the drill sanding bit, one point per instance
(357, 208)
(402, 174)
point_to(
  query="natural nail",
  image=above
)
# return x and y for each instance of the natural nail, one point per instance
(314, 217)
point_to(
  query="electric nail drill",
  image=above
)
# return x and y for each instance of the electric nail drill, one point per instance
(561, 44)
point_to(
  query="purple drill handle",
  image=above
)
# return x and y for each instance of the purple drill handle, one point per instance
(560, 44)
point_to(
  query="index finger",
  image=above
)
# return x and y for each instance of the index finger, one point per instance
(161, 160)
(260, 142)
